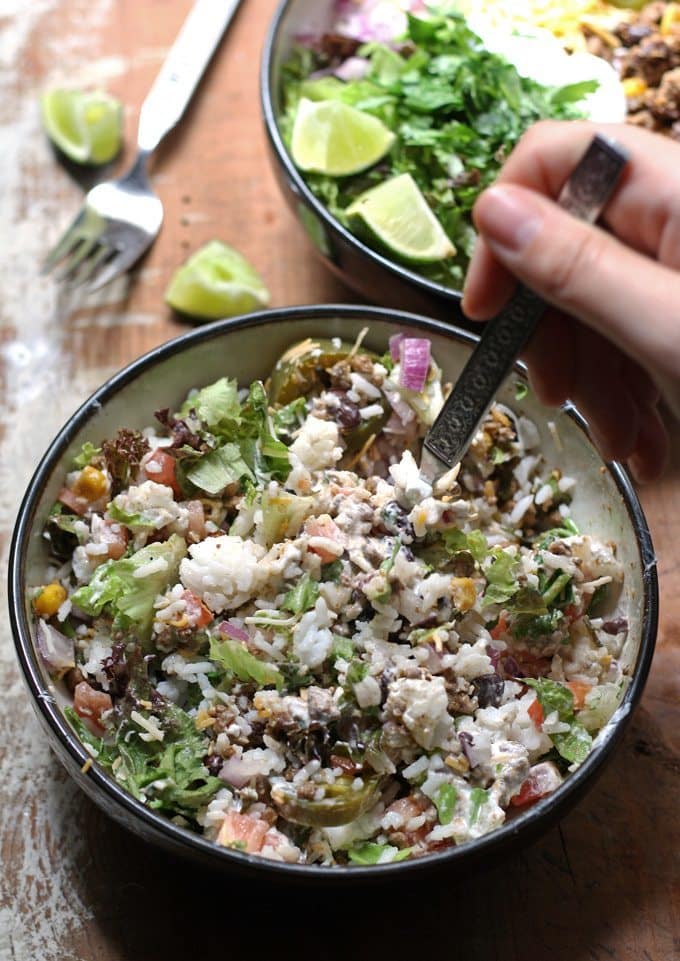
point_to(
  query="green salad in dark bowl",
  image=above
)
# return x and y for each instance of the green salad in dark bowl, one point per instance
(385, 132)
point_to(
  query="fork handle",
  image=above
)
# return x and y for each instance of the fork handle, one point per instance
(182, 69)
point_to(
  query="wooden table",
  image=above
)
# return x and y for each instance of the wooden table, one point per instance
(603, 886)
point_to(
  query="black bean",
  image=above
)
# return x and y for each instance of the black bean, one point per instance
(489, 690)
(214, 763)
(347, 412)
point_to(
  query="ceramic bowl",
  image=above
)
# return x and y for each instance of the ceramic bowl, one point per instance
(605, 503)
(367, 271)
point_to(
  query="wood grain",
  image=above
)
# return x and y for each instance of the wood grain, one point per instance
(74, 886)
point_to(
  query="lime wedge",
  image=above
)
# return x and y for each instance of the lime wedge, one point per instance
(84, 125)
(216, 281)
(330, 137)
(396, 216)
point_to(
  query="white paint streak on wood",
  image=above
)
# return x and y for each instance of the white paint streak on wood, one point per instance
(41, 907)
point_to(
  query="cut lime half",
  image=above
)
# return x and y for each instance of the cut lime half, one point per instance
(217, 281)
(85, 125)
(330, 137)
(396, 215)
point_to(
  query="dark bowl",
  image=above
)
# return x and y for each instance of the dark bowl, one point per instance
(367, 271)
(605, 503)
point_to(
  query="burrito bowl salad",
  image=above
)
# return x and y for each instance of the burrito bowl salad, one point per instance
(276, 634)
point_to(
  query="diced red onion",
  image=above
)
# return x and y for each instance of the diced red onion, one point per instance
(233, 631)
(354, 68)
(237, 771)
(414, 357)
(55, 649)
(467, 744)
(395, 340)
(494, 655)
(512, 668)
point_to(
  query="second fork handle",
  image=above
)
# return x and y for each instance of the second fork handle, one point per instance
(182, 69)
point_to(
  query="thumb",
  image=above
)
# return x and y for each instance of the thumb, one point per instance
(625, 296)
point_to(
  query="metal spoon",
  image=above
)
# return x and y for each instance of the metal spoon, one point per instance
(584, 195)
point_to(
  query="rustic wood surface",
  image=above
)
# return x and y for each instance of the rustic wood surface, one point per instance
(73, 885)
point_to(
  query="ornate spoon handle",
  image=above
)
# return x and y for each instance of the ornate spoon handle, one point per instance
(584, 195)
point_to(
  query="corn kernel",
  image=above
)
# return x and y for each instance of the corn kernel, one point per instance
(634, 87)
(459, 764)
(670, 22)
(49, 600)
(463, 592)
(91, 483)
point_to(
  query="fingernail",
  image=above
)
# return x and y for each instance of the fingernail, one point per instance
(508, 217)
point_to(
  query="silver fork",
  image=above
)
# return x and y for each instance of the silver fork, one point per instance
(121, 218)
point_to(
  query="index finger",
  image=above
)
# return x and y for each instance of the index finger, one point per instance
(648, 198)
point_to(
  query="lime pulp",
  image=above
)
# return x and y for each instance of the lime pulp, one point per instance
(331, 137)
(85, 125)
(397, 217)
(216, 281)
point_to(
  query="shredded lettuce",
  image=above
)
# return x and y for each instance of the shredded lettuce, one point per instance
(87, 452)
(283, 515)
(217, 405)
(235, 659)
(478, 796)
(369, 852)
(302, 597)
(501, 576)
(445, 802)
(218, 469)
(116, 587)
(474, 542)
(573, 745)
(241, 446)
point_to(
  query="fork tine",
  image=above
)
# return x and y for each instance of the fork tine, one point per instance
(90, 266)
(66, 243)
(76, 256)
(109, 271)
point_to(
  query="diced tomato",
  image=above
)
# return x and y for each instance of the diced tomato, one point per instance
(115, 536)
(324, 528)
(197, 612)
(543, 779)
(408, 808)
(533, 665)
(242, 831)
(572, 613)
(196, 519)
(90, 705)
(535, 712)
(580, 690)
(160, 468)
(499, 630)
(78, 505)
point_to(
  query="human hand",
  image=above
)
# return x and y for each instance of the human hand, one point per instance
(611, 341)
